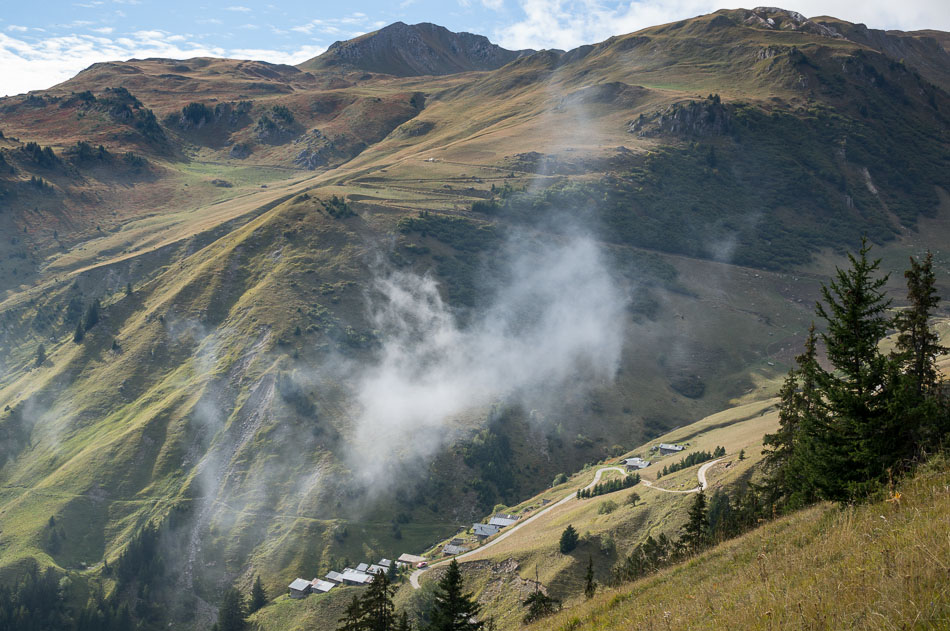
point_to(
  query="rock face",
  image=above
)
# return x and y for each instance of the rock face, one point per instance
(406, 50)
(708, 117)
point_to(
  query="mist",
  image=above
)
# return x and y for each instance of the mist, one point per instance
(555, 318)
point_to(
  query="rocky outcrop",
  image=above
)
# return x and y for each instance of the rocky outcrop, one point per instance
(708, 117)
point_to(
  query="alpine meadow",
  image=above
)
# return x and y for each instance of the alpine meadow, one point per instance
(426, 333)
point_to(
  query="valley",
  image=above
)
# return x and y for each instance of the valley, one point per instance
(281, 319)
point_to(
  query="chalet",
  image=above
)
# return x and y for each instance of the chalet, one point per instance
(299, 588)
(362, 567)
(502, 520)
(410, 559)
(451, 550)
(667, 449)
(321, 587)
(334, 577)
(386, 563)
(356, 577)
(376, 569)
(483, 531)
(632, 464)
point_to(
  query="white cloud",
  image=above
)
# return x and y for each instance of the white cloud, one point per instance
(239, 8)
(17, 29)
(40, 64)
(567, 24)
(105, 30)
(494, 5)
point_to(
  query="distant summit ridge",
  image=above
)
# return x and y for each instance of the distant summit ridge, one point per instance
(406, 50)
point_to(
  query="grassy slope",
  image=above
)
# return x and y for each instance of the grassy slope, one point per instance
(105, 458)
(878, 566)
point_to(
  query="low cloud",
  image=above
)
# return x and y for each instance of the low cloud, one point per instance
(555, 320)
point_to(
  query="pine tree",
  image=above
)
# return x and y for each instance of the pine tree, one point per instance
(231, 614)
(695, 533)
(92, 315)
(918, 345)
(922, 417)
(378, 611)
(258, 595)
(40, 355)
(858, 447)
(404, 624)
(540, 605)
(590, 587)
(352, 619)
(79, 333)
(453, 609)
(569, 539)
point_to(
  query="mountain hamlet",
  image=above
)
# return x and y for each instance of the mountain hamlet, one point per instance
(427, 333)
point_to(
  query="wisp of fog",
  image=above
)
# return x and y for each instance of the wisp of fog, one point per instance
(556, 318)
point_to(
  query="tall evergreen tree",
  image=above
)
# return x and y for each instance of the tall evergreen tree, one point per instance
(258, 595)
(379, 614)
(921, 416)
(453, 609)
(352, 619)
(918, 345)
(231, 614)
(856, 453)
(40, 355)
(590, 587)
(789, 461)
(92, 315)
(695, 533)
(569, 539)
(79, 333)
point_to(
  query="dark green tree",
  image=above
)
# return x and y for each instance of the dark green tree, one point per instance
(540, 605)
(403, 624)
(921, 416)
(695, 533)
(352, 619)
(569, 540)
(40, 355)
(79, 333)
(379, 614)
(857, 451)
(590, 587)
(258, 595)
(92, 315)
(453, 609)
(232, 615)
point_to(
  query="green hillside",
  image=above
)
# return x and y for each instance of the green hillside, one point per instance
(293, 317)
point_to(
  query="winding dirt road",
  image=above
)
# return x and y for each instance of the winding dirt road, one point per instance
(701, 474)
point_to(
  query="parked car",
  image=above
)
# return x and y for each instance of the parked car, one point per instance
(422, 564)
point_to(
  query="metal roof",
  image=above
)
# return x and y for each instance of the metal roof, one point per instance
(322, 586)
(362, 567)
(410, 558)
(502, 521)
(385, 562)
(336, 577)
(300, 585)
(484, 530)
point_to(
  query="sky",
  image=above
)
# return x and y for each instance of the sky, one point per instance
(45, 43)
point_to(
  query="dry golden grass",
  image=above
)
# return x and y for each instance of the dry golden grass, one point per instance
(884, 565)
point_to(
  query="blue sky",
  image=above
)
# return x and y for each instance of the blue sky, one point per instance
(45, 42)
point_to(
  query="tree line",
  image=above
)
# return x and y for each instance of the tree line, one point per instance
(687, 461)
(609, 486)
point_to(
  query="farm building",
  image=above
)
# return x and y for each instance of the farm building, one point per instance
(484, 530)
(376, 569)
(410, 559)
(633, 464)
(299, 588)
(321, 587)
(667, 449)
(362, 567)
(452, 549)
(386, 563)
(502, 520)
(356, 577)
(334, 577)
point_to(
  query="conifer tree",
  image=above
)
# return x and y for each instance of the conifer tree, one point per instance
(453, 609)
(695, 533)
(569, 539)
(92, 315)
(922, 418)
(40, 355)
(258, 595)
(379, 614)
(79, 333)
(918, 345)
(352, 619)
(590, 587)
(856, 452)
(231, 614)
(404, 624)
